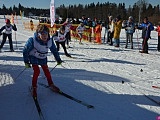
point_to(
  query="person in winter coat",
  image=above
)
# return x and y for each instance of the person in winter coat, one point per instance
(89, 29)
(35, 54)
(110, 30)
(98, 30)
(146, 28)
(106, 24)
(158, 30)
(60, 38)
(117, 30)
(8, 33)
(130, 29)
(31, 25)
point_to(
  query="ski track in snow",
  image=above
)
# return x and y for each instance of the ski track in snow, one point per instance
(94, 76)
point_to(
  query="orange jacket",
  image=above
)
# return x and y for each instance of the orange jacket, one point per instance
(98, 29)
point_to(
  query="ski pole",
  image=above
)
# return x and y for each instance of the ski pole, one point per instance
(137, 40)
(16, 39)
(50, 70)
(53, 68)
(20, 73)
(65, 67)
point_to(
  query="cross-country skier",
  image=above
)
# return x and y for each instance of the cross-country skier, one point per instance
(60, 39)
(80, 29)
(35, 53)
(8, 33)
(68, 27)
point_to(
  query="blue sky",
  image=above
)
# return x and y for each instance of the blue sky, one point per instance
(46, 3)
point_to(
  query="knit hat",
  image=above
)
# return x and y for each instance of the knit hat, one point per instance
(7, 21)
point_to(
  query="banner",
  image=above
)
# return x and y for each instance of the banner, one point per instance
(52, 13)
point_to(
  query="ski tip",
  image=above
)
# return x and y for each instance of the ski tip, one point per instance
(154, 86)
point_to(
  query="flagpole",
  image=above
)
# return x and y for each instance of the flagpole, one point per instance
(52, 12)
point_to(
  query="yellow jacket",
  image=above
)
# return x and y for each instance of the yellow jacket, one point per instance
(117, 29)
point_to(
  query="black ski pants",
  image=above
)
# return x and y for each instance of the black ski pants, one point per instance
(4, 40)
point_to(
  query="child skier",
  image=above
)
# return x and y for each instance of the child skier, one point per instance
(35, 53)
(60, 38)
(68, 27)
(80, 29)
(8, 33)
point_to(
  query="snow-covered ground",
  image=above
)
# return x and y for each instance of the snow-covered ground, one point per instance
(95, 76)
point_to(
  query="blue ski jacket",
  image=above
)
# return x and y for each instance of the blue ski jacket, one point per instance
(30, 46)
(146, 29)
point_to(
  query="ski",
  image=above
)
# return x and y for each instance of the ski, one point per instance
(156, 87)
(151, 99)
(148, 97)
(37, 106)
(69, 97)
(72, 57)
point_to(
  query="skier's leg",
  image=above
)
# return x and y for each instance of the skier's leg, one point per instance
(3, 41)
(36, 72)
(10, 42)
(47, 74)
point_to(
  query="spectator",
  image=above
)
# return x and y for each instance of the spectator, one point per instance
(146, 28)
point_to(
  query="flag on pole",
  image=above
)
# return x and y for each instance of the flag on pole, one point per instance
(52, 12)
(20, 12)
(16, 18)
(12, 19)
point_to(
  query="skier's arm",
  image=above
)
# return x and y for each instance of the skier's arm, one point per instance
(55, 36)
(2, 28)
(54, 51)
(14, 27)
(27, 48)
(150, 26)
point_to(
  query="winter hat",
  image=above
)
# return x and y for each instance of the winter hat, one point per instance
(7, 21)
(42, 28)
(130, 17)
(146, 18)
(62, 28)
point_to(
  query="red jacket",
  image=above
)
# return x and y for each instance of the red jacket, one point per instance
(158, 30)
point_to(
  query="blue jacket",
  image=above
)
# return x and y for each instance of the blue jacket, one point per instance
(130, 27)
(146, 29)
(32, 59)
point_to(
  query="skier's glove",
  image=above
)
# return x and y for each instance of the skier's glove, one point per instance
(27, 65)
